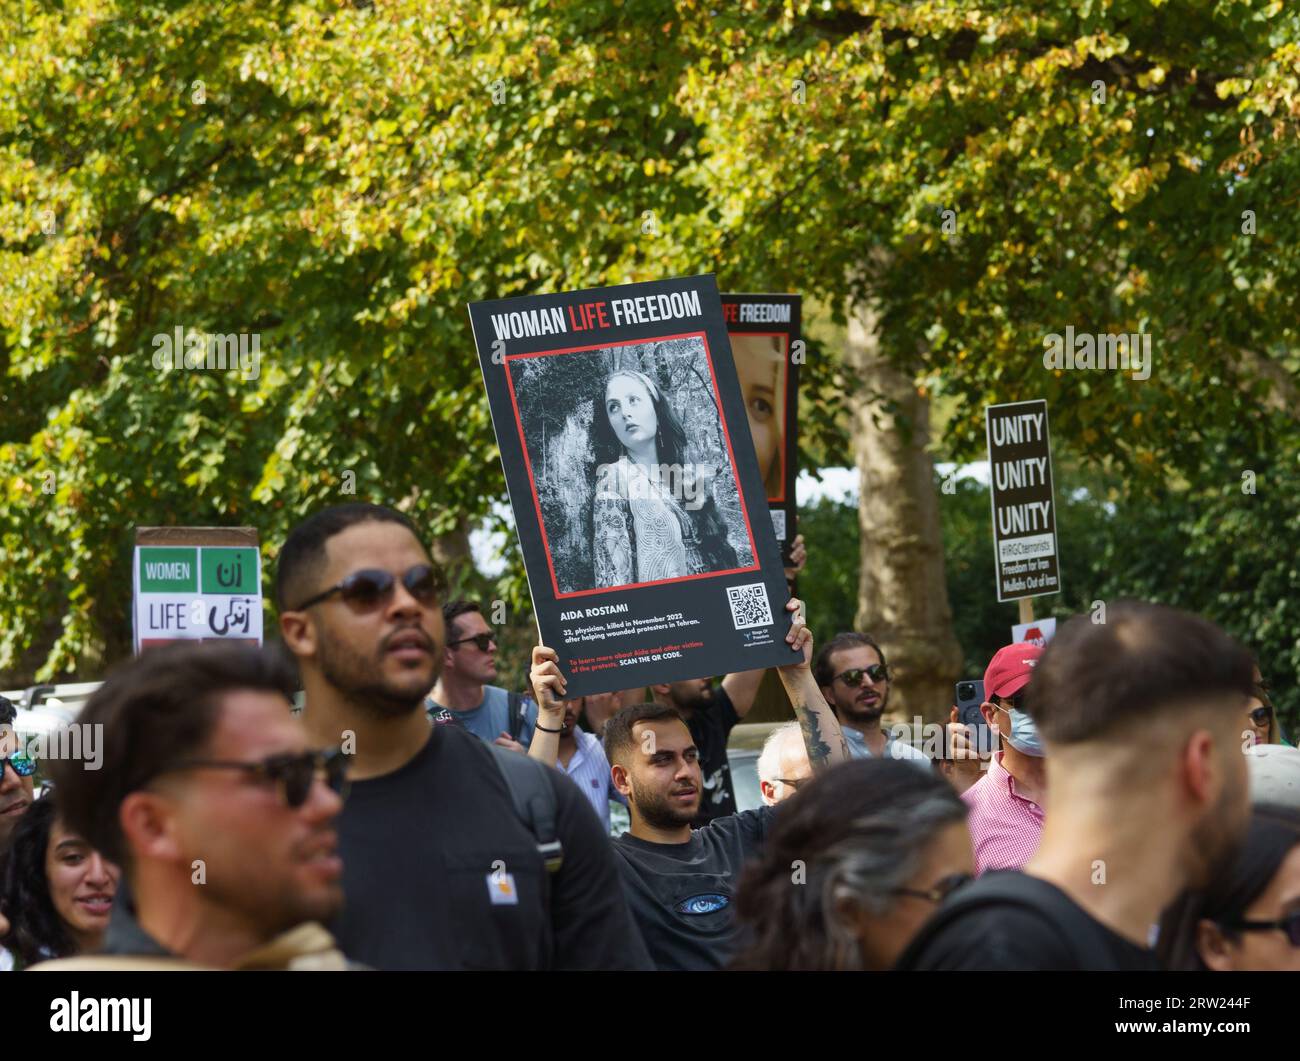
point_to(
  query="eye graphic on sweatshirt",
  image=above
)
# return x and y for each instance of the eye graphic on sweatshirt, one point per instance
(708, 903)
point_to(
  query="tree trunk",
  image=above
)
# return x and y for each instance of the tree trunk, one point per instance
(452, 550)
(902, 594)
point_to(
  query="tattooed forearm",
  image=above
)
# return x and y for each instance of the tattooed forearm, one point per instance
(819, 752)
(822, 736)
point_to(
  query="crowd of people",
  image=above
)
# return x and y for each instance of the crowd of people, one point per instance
(1136, 809)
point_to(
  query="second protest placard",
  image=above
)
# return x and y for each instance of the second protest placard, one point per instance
(1024, 509)
(634, 483)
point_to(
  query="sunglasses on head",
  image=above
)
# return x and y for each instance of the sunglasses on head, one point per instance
(371, 586)
(877, 672)
(293, 774)
(481, 640)
(1289, 924)
(1262, 716)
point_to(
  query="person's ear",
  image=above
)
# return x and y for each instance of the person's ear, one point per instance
(298, 633)
(1214, 948)
(1199, 768)
(989, 712)
(661, 692)
(768, 789)
(618, 774)
(851, 915)
(148, 824)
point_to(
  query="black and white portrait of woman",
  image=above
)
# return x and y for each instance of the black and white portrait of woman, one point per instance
(630, 462)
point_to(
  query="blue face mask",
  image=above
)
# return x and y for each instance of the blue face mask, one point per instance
(1024, 734)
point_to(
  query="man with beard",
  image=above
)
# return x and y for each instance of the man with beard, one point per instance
(680, 881)
(712, 713)
(1141, 720)
(854, 678)
(441, 868)
(219, 809)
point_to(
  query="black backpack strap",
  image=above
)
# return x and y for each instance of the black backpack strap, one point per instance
(514, 723)
(1023, 892)
(533, 795)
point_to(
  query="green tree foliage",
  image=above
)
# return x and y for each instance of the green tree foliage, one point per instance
(340, 180)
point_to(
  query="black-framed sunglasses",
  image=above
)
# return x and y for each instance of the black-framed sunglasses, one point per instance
(793, 782)
(294, 774)
(1262, 716)
(877, 672)
(371, 586)
(1289, 924)
(940, 891)
(481, 640)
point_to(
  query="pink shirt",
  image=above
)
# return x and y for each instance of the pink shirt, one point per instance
(1005, 827)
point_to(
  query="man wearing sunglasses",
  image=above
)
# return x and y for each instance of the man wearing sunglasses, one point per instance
(854, 679)
(16, 784)
(469, 664)
(441, 869)
(1006, 803)
(218, 809)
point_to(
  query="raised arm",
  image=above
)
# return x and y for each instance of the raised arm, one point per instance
(822, 737)
(742, 687)
(548, 686)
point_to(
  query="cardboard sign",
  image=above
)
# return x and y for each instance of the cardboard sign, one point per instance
(1024, 509)
(196, 584)
(764, 334)
(634, 483)
(1038, 632)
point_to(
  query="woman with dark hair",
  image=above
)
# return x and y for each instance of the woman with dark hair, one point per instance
(653, 515)
(56, 891)
(856, 862)
(1249, 916)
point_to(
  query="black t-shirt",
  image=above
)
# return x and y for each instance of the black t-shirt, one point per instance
(681, 894)
(1052, 933)
(710, 727)
(440, 873)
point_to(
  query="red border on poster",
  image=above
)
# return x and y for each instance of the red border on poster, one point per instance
(731, 457)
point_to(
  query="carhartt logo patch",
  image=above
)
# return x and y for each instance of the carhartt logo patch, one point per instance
(501, 889)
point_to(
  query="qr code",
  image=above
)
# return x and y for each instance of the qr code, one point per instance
(749, 606)
(778, 523)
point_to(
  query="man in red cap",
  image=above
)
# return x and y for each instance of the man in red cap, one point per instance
(1006, 804)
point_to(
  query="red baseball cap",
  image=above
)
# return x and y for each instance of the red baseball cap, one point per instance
(1010, 669)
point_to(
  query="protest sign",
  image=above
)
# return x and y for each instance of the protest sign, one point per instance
(764, 334)
(1038, 632)
(196, 584)
(1024, 511)
(633, 479)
